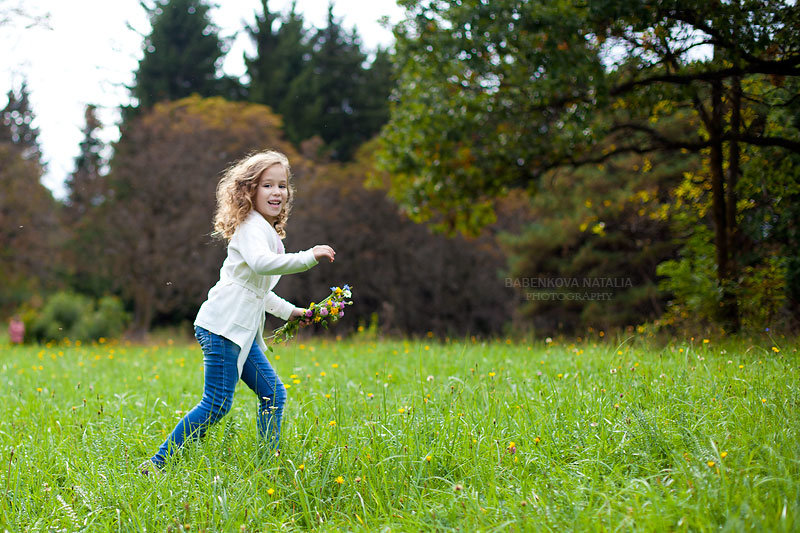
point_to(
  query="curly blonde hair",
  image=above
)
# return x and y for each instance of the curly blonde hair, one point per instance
(237, 188)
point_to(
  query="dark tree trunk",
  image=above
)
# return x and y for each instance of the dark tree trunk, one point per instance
(734, 243)
(728, 311)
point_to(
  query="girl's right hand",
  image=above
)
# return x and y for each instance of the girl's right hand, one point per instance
(323, 250)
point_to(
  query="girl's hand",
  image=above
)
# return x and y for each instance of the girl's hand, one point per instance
(323, 250)
(297, 312)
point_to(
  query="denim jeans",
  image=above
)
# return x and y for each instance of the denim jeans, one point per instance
(221, 376)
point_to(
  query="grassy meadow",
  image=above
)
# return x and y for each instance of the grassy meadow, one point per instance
(422, 435)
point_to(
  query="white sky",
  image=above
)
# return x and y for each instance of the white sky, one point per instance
(88, 56)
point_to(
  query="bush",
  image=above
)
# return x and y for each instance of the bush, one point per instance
(76, 317)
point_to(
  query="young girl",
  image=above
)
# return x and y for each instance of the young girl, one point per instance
(254, 198)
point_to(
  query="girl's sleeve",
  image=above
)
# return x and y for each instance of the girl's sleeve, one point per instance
(277, 306)
(255, 251)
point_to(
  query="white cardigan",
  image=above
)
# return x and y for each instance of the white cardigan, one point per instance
(236, 304)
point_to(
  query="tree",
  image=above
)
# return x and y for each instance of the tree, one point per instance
(492, 96)
(156, 220)
(329, 97)
(29, 230)
(410, 279)
(84, 184)
(87, 190)
(281, 55)
(182, 55)
(16, 124)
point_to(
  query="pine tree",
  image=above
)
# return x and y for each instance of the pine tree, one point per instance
(324, 99)
(84, 185)
(280, 57)
(16, 124)
(181, 54)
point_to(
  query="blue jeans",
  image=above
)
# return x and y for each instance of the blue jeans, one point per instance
(221, 375)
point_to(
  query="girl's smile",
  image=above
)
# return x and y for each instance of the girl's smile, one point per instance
(272, 193)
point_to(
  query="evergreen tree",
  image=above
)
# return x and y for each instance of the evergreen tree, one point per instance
(84, 184)
(324, 99)
(16, 124)
(281, 55)
(181, 54)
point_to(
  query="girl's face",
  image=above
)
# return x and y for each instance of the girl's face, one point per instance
(272, 193)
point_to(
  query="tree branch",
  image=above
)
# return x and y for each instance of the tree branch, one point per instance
(784, 67)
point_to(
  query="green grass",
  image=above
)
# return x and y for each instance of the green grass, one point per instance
(607, 436)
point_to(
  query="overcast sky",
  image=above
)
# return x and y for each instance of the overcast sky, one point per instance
(86, 54)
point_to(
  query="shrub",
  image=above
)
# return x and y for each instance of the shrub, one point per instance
(77, 317)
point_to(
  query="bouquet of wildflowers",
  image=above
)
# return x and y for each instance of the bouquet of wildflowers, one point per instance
(328, 311)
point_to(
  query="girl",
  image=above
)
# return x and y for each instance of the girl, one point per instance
(254, 198)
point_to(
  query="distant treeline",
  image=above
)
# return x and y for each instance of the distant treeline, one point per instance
(515, 180)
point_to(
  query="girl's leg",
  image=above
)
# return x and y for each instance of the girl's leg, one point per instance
(221, 376)
(259, 375)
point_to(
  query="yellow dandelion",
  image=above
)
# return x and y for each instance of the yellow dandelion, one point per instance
(763, 400)
(339, 480)
(328, 396)
(296, 381)
(335, 365)
(776, 349)
(741, 366)
(711, 464)
(332, 423)
(723, 455)
(302, 467)
(270, 492)
(323, 374)
(401, 410)
(492, 374)
(706, 341)
(537, 440)
(428, 458)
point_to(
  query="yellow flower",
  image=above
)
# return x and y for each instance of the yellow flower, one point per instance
(428, 458)
(741, 366)
(270, 492)
(711, 464)
(706, 341)
(296, 381)
(301, 467)
(763, 400)
(723, 455)
(328, 396)
(335, 365)
(401, 410)
(776, 349)
(339, 480)
(492, 374)
(332, 423)
(537, 440)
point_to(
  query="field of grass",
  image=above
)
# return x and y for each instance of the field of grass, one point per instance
(424, 435)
